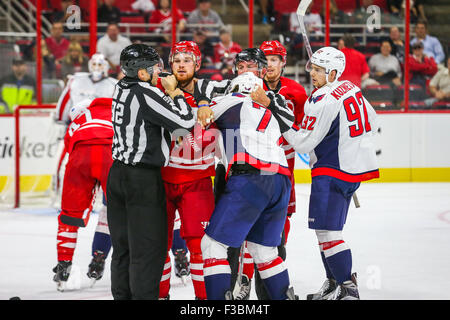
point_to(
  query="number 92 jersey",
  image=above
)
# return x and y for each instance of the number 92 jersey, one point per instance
(337, 130)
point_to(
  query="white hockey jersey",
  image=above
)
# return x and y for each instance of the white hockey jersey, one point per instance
(250, 134)
(80, 87)
(337, 130)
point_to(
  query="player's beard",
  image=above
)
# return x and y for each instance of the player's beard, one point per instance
(184, 81)
(272, 77)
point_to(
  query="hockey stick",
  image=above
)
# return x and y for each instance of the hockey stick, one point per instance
(355, 200)
(301, 10)
(237, 286)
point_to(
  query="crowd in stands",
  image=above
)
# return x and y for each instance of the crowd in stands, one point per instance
(377, 66)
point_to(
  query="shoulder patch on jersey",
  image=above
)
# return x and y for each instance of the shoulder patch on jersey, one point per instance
(316, 99)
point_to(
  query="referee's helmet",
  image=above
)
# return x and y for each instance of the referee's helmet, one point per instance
(136, 57)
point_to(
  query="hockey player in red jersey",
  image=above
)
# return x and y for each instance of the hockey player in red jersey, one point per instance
(187, 178)
(88, 141)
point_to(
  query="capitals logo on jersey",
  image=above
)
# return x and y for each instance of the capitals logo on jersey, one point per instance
(316, 99)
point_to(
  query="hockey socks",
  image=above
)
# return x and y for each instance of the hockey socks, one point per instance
(66, 241)
(217, 275)
(164, 284)
(337, 260)
(196, 265)
(101, 242)
(178, 242)
(275, 277)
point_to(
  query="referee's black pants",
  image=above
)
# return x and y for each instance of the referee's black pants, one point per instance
(137, 222)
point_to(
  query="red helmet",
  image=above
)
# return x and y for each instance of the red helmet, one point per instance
(274, 47)
(187, 47)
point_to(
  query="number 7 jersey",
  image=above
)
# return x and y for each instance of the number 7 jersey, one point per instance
(337, 130)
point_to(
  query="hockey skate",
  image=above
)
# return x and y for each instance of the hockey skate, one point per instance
(181, 265)
(328, 287)
(96, 267)
(62, 272)
(242, 292)
(346, 291)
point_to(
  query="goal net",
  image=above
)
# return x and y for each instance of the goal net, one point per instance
(30, 148)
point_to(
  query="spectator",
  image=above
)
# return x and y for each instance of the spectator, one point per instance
(16, 88)
(356, 68)
(206, 48)
(440, 86)
(384, 67)
(432, 46)
(421, 67)
(264, 6)
(397, 8)
(225, 51)
(340, 44)
(62, 15)
(48, 61)
(204, 14)
(397, 44)
(111, 45)
(74, 61)
(163, 17)
(107, 12)
(56, 43)
(313, 23)
(145, 7)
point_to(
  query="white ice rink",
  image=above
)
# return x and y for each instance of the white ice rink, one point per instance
(399, 237)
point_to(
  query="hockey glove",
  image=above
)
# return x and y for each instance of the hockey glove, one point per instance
(281, 111)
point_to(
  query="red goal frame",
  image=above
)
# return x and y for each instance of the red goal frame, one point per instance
(17, 146)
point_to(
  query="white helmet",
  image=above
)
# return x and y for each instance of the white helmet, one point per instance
(328, 58)
(98, 66)
(77, 109)
(245, 83)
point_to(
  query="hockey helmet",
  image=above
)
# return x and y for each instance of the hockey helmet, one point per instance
(274, 47)
(328, 58)
(138, 56)
(77, 109)
(244, 83)
(251, 54)
(186, 47)
(98, 66)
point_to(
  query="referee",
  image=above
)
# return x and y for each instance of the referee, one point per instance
(143, 118)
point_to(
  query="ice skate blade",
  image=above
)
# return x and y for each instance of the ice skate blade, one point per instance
(61, 286)
(184, 280)
(92, 283)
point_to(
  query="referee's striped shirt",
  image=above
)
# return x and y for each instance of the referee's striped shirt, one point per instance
(143, 118)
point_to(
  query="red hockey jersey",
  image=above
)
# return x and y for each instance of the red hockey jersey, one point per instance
(192, 157)
(92, 126)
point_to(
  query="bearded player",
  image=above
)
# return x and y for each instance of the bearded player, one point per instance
(187, 178)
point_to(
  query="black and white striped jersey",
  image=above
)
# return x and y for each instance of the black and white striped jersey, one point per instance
(143, 118)
(208, 89)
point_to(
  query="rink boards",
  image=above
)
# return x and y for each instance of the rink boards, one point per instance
(412, 147)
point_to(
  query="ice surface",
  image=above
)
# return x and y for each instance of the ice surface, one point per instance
(400, 242)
